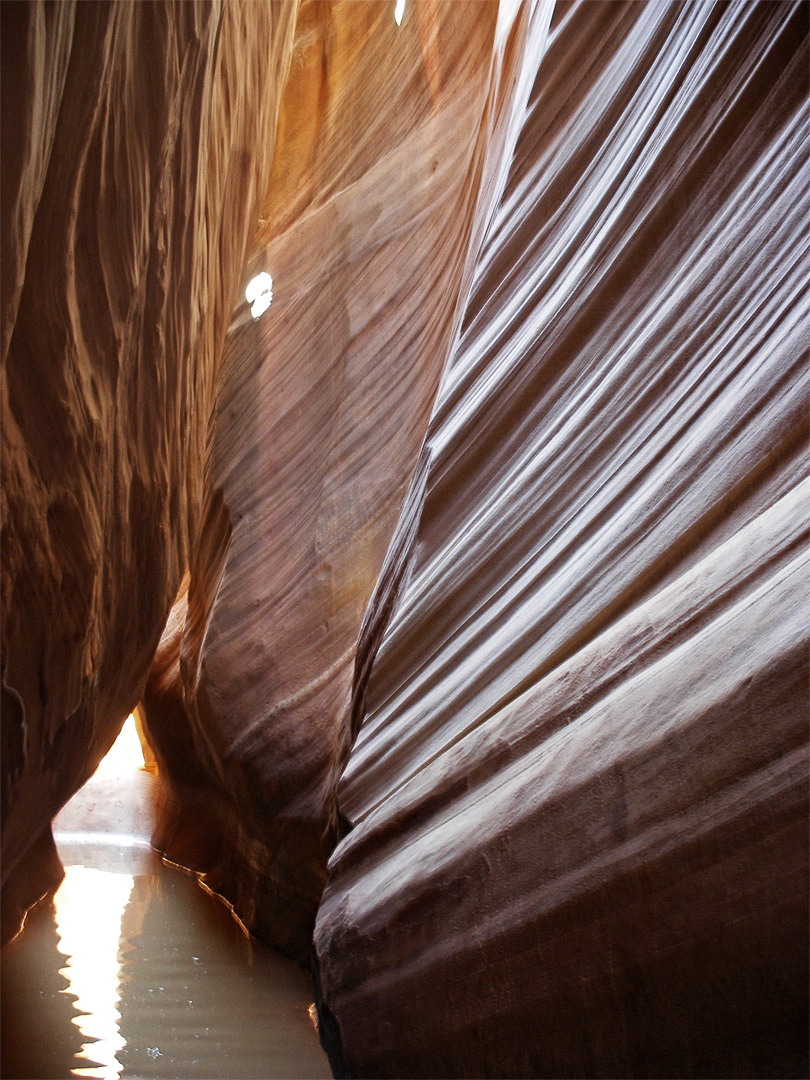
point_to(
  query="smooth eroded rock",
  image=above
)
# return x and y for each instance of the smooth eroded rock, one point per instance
(137, 142)
(579, 792)
(390, 154)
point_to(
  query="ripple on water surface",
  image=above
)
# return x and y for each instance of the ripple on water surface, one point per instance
(145, 975)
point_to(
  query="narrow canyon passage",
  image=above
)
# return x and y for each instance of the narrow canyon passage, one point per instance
(132, 970)
(404, 407)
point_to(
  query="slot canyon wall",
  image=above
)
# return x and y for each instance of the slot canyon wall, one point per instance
(391, 149)
(481, 554)
(137, 143)
(578, 797)
(262, 475)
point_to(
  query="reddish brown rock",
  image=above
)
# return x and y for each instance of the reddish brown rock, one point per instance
(390, 153)
(579, 793)
(577, 800)
(137, 141)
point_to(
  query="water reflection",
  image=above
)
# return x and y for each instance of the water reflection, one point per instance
(89, 907)
(143, 974)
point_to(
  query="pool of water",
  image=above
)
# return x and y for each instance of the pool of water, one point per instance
(132, 970)
(144, 975)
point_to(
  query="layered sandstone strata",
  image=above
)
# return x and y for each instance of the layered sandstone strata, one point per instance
(578, 797)
(136, 144)
(391, 149)
(570, 637)
(137, 152)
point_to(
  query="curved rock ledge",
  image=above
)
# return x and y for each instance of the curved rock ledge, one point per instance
(578, 797)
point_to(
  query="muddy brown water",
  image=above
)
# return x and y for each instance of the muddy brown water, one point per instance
(132, 970)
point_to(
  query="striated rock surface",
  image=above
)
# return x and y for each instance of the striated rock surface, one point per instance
(391, 149)
(579, 793)
(136, 142)
(563, 607)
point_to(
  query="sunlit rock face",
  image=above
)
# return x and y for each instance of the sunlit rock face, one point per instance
(391, 150)
(579, 793)
(136, 146)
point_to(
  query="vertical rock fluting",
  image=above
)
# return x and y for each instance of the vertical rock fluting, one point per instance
(579, 794)
(136, 142)
(389, 158)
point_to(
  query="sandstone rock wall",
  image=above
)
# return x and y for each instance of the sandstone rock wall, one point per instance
(579, 792)
(390, 155)
(136, 142)
(576, 809)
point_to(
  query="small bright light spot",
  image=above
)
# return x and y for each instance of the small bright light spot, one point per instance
(399, 11)
(259, 294)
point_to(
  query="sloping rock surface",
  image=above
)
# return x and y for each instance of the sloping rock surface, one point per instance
(136, 141)
(579, 793)
(390, 155)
